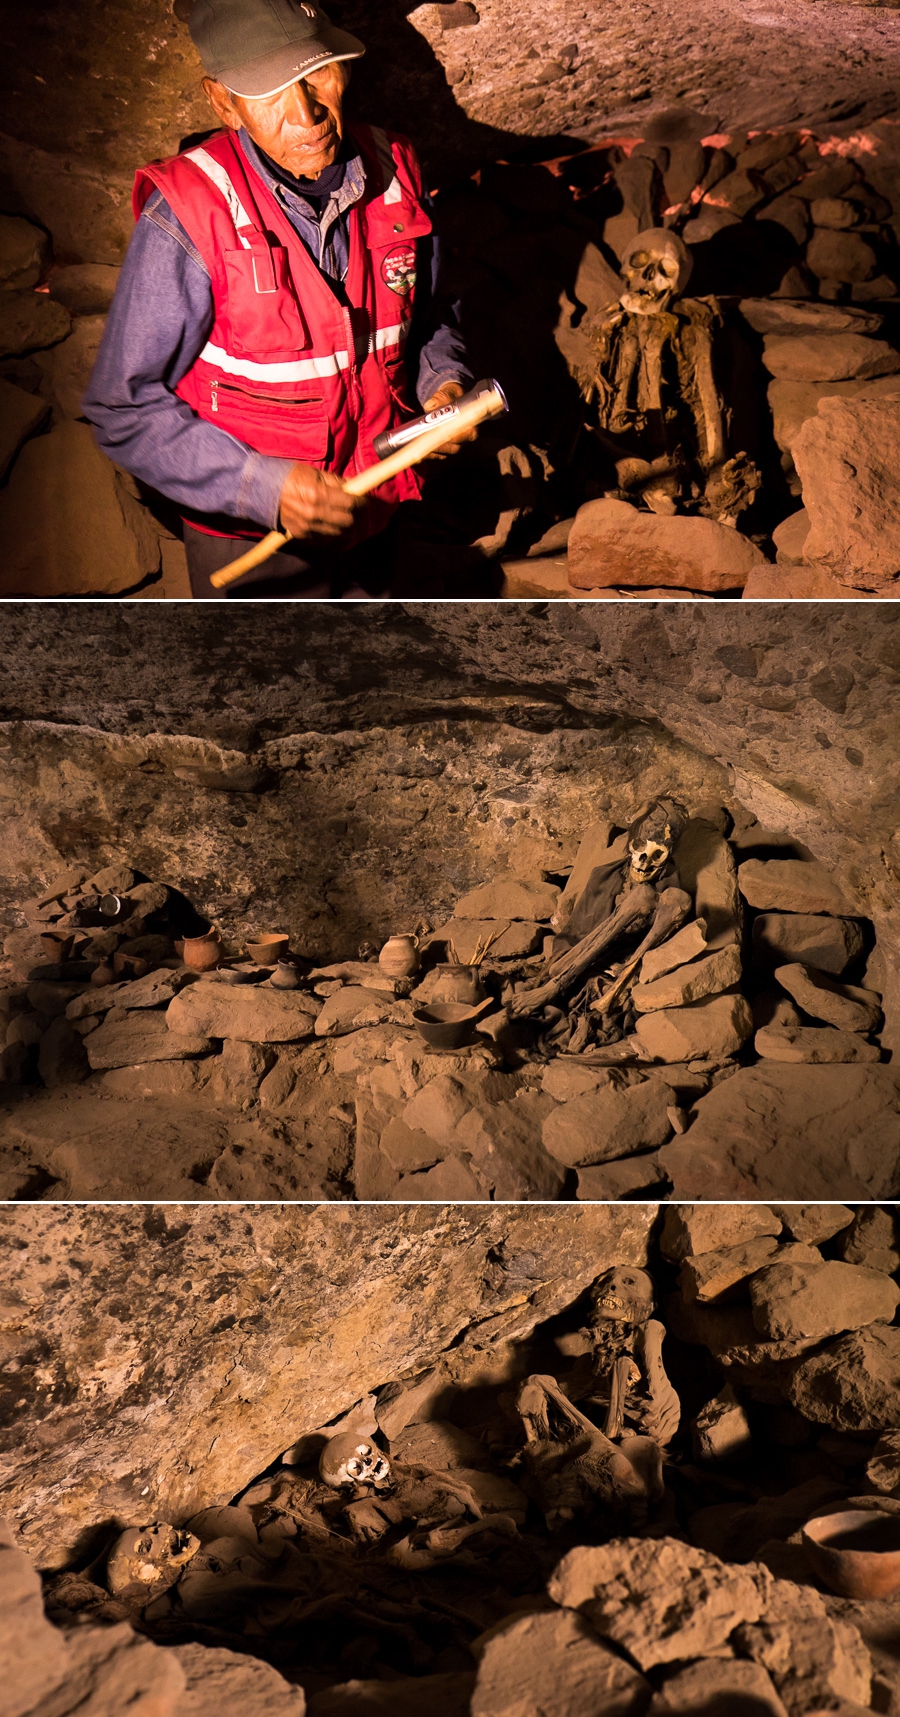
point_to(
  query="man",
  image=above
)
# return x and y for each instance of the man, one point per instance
(278, 308)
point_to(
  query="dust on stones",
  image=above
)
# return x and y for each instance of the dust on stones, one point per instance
(607, 1494)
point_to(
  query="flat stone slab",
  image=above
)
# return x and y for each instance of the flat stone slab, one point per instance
(717, 1026)
(508, 939)
(154, 990)
(817, 1045)
(612, 545)
(354, 1008)
(801, 1132)
(690, 983)
(685, 945)
(128, 1039)
(608, 1123)
(791, 885)
(847, 1006)
(509, 897)
(245, 1011)
(828, 357)
(828, 944)
(799, 1300)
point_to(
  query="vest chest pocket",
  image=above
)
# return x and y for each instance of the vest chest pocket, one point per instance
(264, 314)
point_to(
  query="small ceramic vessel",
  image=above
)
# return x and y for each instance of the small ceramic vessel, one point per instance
(456, 983)
(448, 1025)
(103, 974)
(202, 953)
(856, 1552)
(285, 976)
(399, 957)
(266, 950)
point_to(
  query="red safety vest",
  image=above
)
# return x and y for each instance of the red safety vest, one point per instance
(287, 368)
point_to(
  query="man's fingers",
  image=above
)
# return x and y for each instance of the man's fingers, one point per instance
(315, 503)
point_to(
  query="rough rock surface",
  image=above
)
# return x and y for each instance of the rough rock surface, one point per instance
(690, 983)
(21, 414)
(607, 1123)
(847, 460)
(29, 322)
(827, 944)
(774, 1131)
(846, 1006)
(660, 1599)
(792, 1300)
(553, 1662)
(816, 1045)
(851, 1384)
(790, 885)
(690, 1230)
(712, 1275)
(95, 538)
(246, 1011)
(612, 544)
(129, 1039)
(716, 1026)
(334, 1303)
(828, 357)
(717, 1688)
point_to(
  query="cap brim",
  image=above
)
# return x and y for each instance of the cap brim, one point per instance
(275, 72)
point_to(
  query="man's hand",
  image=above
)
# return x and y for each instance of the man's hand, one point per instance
(316, 504)
(445, 396)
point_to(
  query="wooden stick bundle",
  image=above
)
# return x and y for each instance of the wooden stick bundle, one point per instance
(486, 405)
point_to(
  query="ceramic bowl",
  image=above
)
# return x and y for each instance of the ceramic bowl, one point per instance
(448, 1025)
(856, 1553)
(266, 950)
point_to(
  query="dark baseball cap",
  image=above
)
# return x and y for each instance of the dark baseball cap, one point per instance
(258, 47)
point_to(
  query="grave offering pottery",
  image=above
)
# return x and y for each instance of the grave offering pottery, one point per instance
(266, 950)
(456, 983)
(58, 944)
(448, 1025)
(285, 976)
(856, 1553)
(103, 974)
(399, 957)
(202, 953)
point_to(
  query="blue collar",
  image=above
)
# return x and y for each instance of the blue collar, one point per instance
(350, 191)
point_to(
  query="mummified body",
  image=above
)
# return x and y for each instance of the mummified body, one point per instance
(655, 390)
(624, 1372)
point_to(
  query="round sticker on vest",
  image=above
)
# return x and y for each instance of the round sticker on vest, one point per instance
(398, 269)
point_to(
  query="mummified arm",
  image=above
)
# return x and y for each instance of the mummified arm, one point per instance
(671, 912)
(661, 1417)
(638, 904)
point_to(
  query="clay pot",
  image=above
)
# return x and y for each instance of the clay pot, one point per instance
(103, 974)
(202, 953)
(856, 1553)
(129, 966)
(267, 949)
(457, 983)
(285, 976)
(58, 943)
(399, 957)
(448, 1025)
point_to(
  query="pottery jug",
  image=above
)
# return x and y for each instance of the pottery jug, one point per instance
(202, 953)
(285, 975)
(456, 983)
(399, 957)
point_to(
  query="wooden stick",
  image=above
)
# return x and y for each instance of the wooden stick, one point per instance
(486, 405)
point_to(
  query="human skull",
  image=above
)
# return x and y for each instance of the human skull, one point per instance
(622, 1296)
(350, 1461)
(145, 1561)
(652, 838)
(656, 269)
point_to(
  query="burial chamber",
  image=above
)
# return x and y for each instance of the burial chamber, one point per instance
(341, 777)
(613, 1459)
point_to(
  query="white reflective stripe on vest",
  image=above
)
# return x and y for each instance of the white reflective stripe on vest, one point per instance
(220, 179)
(302, 369)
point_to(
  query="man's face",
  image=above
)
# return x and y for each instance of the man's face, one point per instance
(300, 128)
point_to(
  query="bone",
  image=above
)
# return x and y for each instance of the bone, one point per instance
(637, 904)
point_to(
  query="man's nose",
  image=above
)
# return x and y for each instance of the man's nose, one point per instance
(304, 105)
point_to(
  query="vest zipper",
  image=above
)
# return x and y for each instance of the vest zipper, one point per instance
(267, 398)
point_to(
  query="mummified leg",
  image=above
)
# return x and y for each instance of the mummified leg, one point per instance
(638, 904)
(671, 912)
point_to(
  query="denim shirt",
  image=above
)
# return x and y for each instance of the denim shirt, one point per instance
(161, 318)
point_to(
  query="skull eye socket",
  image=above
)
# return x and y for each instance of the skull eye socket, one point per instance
(640, 259)
(354, 1467)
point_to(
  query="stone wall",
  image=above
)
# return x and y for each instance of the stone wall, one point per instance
(158, 1358)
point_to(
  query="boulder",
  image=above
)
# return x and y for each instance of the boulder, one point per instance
(244, 1011)
(685, 945)
(24, 253)
(564, 1079)
(21, 415)
(706, 868)
(85, 288)
(692, 1229)
(828, 357)
(236, 1074)
(690, 983)
(827, 944)
(552, 1662)
(609, 1123)
(847, 458)
(790, 885)
(660, 1600)
(508, 941)
(503, 1142)
(793, 403)
(93, 539)
(609, 1182)
(797, 1300)
(712, 1275)
(62, 1057)
(713, 1028)
(721, 1431)
(851, 1384)
(873, 1239)
(843, 256)
(509, 897)
(815, 1222)
(740, 192)
(218, 1680)
(128, 1039)
(68, 366)
(788, 212)
(883, 1470)
(613, 544)
(791, 1132)
(813, 1044)
(784, 316)
(814, 1661)
(352, 1008)
(29, 321)
(846, 1006)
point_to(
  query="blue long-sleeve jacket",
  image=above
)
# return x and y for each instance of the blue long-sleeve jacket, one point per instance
(161, 318)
